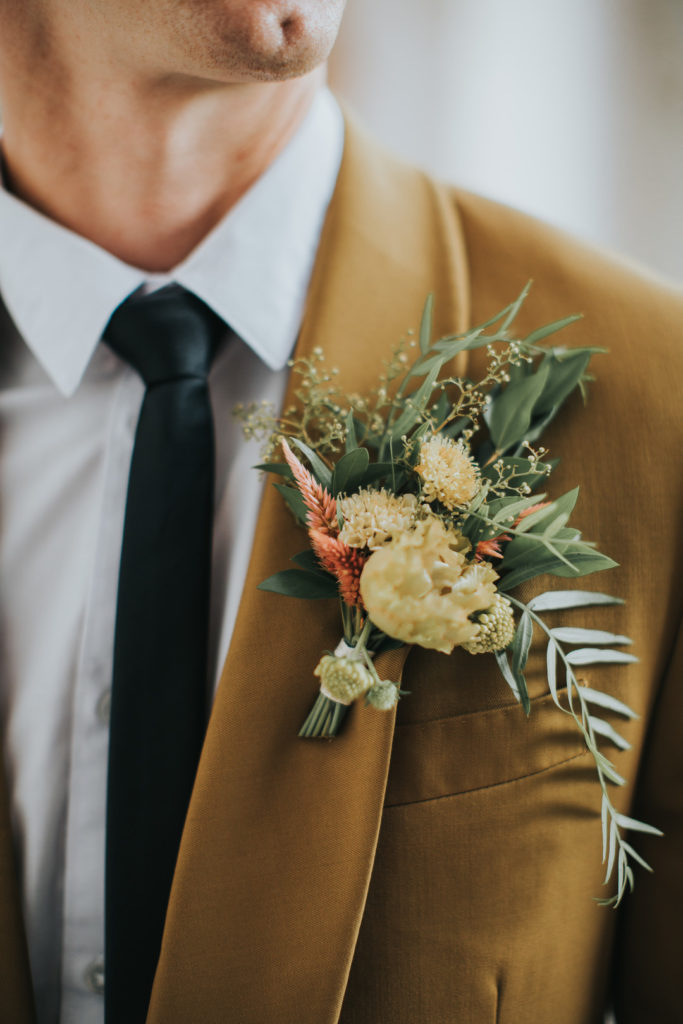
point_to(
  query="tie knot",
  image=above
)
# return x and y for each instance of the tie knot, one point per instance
(165, 335)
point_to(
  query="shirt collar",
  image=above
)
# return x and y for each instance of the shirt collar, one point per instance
(253, 269)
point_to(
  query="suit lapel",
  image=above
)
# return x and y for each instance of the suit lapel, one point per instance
(279, 843)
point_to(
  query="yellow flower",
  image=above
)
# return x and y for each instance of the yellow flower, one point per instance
(448, 472)
(342, 679)
(496, 628)
(421, 589)
(371, 517)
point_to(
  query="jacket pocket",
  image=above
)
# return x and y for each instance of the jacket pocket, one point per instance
(476, 750)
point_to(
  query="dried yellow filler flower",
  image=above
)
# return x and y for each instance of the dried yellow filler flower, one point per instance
(372, 517)
(421, 589)
(449, 474)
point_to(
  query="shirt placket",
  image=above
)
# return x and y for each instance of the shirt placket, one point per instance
(83, 966)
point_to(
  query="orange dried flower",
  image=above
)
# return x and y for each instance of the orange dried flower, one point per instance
(344, 562)
(322, 507)
(490, 548)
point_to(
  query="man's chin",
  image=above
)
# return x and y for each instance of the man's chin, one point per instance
(273, 40)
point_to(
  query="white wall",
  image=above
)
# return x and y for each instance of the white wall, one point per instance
(570, 109)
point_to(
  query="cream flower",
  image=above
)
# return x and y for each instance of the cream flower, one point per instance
(421, 589)
(496, 628)
(371, 517)
(383, 695)
(342, 679)
(448, 472)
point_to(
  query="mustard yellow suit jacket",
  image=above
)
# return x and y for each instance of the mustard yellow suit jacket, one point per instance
(438, 866)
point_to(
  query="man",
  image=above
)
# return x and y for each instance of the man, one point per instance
(189, 143)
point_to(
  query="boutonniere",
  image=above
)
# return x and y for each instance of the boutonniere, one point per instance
(425, 508)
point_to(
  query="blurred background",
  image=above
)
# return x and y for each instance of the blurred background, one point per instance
(571, 110)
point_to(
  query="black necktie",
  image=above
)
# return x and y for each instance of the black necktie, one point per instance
(159, 688)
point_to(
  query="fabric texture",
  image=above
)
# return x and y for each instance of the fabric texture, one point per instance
(437, 868)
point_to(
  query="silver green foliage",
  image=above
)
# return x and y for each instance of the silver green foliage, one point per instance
(580, 702)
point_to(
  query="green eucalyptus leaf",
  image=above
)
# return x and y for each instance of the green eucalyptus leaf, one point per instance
(572, 635)
(453, 345)
(636, 856)
(605, 700)
(426, 324)
(456, 427)
(540, 515)
(294, 500)
(350, 426)
(553, 528)
(555, 600)
(541, 333)
(513, 309)
(525, 552)
(506, 672)
(519, 651)
(603, 815)
(539, 424)
(349, 471)
(564, 374)
(599, 655)
(300, 583)
(509, 415)
(510, 311)
(603, 728)
(308, 560)
(422, 431)
(569, 533)
(440, 409)
(278, 468)
(545, 517)
(522, 642)
(424, 366)
(606, 766)
(612, 848)
(583, 562)
(632, 825)
(505, 510)
(418, 401)
(318, 467)
(551, 668)
(377, 471)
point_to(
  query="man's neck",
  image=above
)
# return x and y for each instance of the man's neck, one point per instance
(146, 169)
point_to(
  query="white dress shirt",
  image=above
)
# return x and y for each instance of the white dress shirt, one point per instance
(68, 413)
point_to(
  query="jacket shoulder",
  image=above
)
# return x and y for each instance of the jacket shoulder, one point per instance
(506, 248)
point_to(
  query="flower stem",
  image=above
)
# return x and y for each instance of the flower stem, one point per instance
(365, 633)
(326, 716)
(324, 719)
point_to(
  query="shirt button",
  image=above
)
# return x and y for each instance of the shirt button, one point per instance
(93, 975)
(103, 708)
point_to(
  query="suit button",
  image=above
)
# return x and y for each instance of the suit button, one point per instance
(93, 975)
(103, 708)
